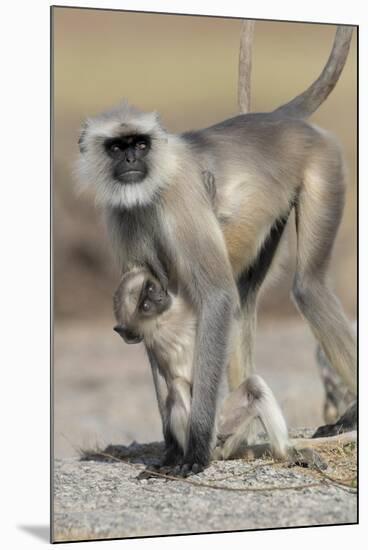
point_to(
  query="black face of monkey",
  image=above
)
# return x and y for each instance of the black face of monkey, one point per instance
(128, 154)
(152, 301)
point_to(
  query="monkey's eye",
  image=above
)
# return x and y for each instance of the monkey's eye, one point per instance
(150, 288)
(141, 145)
(146, 306)
(115, 147)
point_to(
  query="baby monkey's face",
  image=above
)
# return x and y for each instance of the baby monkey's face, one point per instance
(138, 300)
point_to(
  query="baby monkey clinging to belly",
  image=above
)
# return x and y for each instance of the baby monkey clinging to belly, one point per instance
(166, 323)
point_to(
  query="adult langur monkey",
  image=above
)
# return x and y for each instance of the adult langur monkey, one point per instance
(159, 215)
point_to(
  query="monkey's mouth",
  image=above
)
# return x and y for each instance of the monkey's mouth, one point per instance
(130, 176)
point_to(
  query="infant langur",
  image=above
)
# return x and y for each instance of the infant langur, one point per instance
(167, 325)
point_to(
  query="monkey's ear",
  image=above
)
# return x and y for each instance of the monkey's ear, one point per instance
(209, 184)
(82, 136)
(157, 122)
(157, 118)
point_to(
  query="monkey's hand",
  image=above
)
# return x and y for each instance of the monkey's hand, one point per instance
(172, 465)
(193, 463)
(175, 464)
(189, 468)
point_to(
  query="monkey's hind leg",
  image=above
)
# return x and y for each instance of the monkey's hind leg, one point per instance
(249, 284)
(253, 400)
(337, 395)
(318, 215)
(241, 361)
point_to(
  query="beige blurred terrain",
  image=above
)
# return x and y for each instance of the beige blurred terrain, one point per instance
(104, 391)
(184, 67)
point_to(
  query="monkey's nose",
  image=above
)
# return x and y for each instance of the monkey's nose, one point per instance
(130, 156)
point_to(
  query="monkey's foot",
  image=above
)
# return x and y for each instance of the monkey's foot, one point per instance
(346, 423)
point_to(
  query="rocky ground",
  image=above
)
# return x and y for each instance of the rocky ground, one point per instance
(98, 499)
(103, 395)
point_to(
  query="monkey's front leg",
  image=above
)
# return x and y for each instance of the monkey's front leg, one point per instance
(160, 386)
(167, 403)
(173, 453)
(211, 356)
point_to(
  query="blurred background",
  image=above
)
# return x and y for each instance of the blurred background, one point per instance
(186, 68)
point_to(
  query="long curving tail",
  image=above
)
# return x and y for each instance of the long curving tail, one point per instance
(266, 408)
(303, 105)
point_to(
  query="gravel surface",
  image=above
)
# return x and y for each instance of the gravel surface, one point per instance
(105, 500)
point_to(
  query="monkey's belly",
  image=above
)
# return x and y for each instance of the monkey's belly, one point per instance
(247, 210)
(175, 355)
(243, 243)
